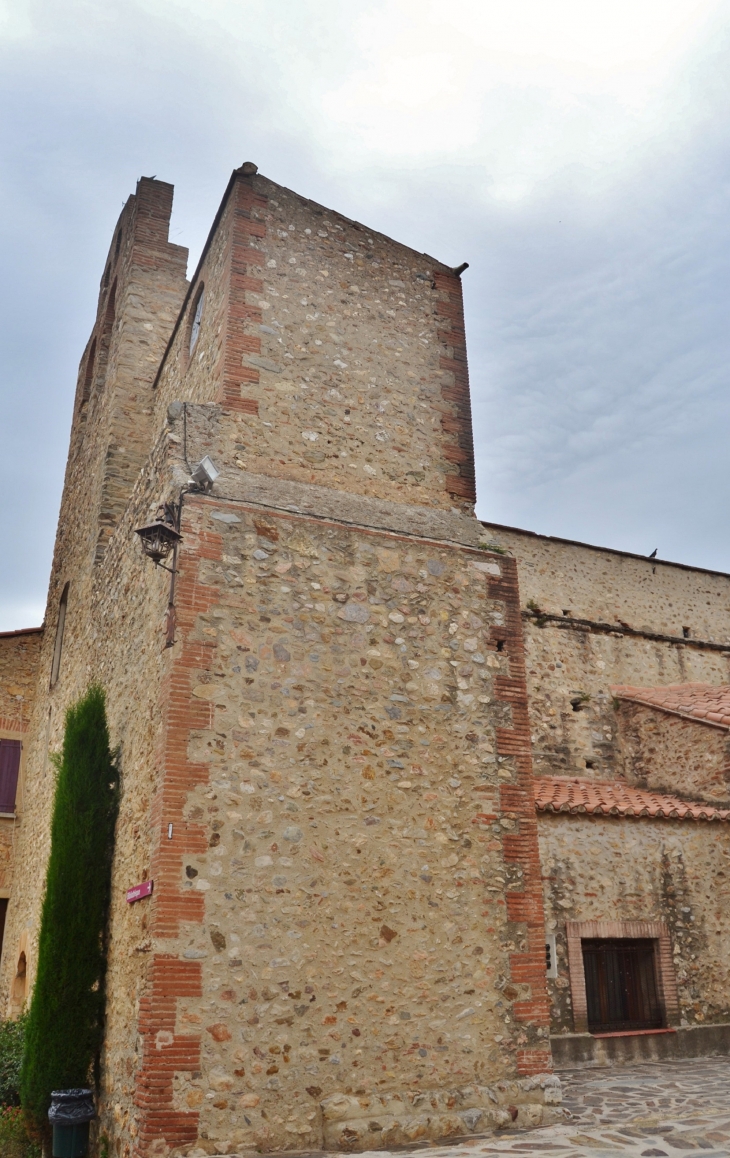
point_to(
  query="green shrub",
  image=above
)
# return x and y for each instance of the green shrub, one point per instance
(65, 1022)
(12, 1040)
(14, 1140)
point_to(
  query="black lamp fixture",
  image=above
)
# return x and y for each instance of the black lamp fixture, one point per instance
(159, 539)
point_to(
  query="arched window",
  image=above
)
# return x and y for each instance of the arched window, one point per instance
(197, 315)
(60, 626)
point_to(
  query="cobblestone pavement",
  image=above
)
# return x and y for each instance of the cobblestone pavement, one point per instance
(649, 1111)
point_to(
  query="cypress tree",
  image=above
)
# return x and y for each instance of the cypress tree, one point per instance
(65, 1022)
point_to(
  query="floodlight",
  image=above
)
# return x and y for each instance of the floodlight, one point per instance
(205, 473)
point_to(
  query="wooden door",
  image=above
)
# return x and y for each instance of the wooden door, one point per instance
(621, 986)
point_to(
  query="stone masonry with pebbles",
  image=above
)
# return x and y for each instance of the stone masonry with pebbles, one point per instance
(340, 353)
(674, 872)
(140, 294)
(347, 705)
(337, 744)
(601, 626)
(19, 655)
(656, 748)
(595, 619)
(328, 774)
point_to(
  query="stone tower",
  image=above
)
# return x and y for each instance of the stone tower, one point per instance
(327, 773)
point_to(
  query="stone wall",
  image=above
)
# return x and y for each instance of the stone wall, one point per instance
(344, 762)
(340, 353)
(19, 655)
(595, 618)
(140, 293)
(621, 869)
(340, 760)
(579, 581)
(337, 743)
(669, 753)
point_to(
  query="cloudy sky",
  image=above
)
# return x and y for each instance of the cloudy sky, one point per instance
(575, 152)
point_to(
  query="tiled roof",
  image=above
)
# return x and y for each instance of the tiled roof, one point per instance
(563, 794)
(701, 702)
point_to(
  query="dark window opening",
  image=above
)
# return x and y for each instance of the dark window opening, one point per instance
(500, 645)
(590, 763)
(60, 627)
(10, 751)
(621, 986)
(197, 315)
(106, 336)
(685, 632)
(3, 915)
(110, 311)
(89, 374)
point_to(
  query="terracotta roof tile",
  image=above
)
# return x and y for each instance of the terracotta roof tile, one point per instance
(705, 703)
(599, 798)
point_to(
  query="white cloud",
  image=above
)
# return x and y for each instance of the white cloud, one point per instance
(573, 151)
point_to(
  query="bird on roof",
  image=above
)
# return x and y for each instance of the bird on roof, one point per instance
(653, 554)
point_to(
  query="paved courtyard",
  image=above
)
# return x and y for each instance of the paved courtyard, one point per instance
(649, 1111)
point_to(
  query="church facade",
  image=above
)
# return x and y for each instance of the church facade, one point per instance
(399, 828)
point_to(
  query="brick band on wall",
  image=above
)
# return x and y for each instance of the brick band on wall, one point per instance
(455, 389)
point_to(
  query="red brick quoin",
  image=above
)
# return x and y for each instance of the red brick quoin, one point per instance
(237, 377)
(455, 390)
(517, 802)
(170, 977)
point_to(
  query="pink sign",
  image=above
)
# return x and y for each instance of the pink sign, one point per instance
(140, 891)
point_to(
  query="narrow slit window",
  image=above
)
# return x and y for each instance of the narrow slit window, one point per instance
(197, 318)
(89, 374)
(3, 914)
(56, 667)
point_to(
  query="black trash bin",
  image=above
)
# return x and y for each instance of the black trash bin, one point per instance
(70, 1114)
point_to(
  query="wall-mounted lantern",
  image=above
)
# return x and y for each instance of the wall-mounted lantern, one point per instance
(158, 540)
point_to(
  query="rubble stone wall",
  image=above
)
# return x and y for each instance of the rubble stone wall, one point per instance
(624, 869)
(669, 753)
(110, 438)
(341, 355)
(328, 776)
(571, 666)
(346, 776)
(19, 655)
